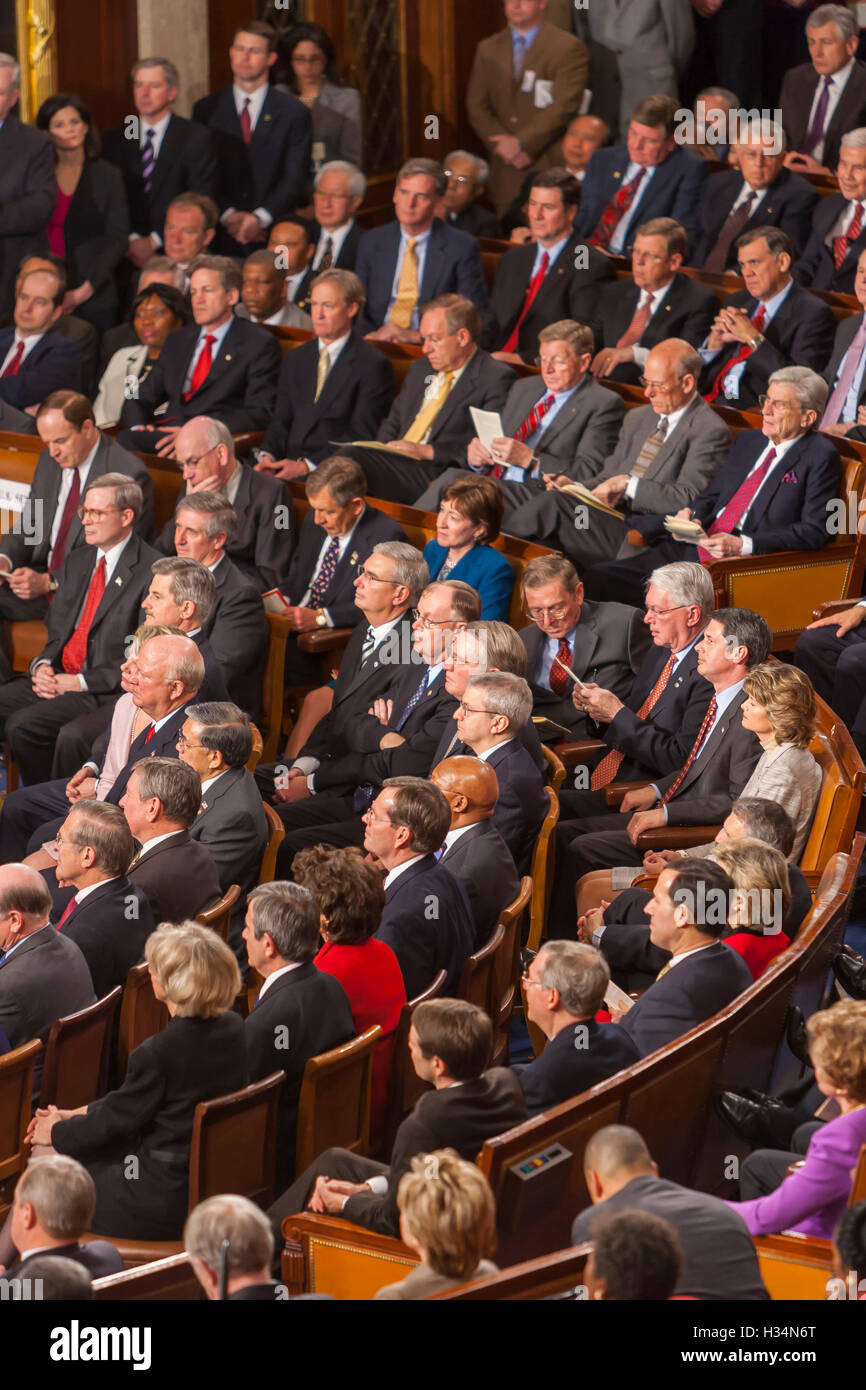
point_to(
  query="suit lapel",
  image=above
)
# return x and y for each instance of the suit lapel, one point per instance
(338, 377)
(114, 586)
(774, 481)
(458, 397)
(714, 742)
(585, 643)
(169, 152)
(432, 261)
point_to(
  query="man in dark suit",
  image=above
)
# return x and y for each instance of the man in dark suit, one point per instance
(603, 642)
(264, 141)
(230, 1246)
(719, 1257)
(52, 1208)
(99, 593)
(162, 799)
(166, 156)
(416, 258)
(762, 194)
(338, 192)
(300, 1011)
(649, 176)
(14, 421)
(467, 176)
(429, 424)
(108, 919)
(34, 360)
(583, 136)
(844, 372)
(474, 851)
(28, 183)
(263, 293)
(829, 259)
(336, 386)
(565, 986)
(43, 975)
(822, 99)
(556, 277)
(76, 331)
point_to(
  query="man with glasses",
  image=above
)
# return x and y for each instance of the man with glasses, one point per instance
(338, 192)
(467, 176)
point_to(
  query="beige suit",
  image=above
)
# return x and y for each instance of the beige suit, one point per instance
(536, 108)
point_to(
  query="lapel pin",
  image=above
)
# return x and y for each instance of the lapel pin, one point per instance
(203, 807)
(353, 558)
(616, 174)
(228, 357)
(118, 581)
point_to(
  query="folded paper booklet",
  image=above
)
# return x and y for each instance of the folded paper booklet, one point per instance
(488, 426)
(370, 444)
(275, 602)
(614, 995)
(583, 494)
(691, 532)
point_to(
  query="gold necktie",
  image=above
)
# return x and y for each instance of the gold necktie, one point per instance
(407, 290)
(664, 970)
(433, 403)
(322, 373)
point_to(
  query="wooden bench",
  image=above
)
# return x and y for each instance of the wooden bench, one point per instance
(161, 1280)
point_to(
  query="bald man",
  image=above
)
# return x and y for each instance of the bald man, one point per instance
(475, 852)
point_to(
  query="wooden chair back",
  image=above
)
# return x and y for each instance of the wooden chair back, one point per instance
(219, 916)
(533, 1279)
(77, 1055)
(268, 871)
(842, 783)
(542, 873)
(234, 1143)
(793, 1267)
(476, 979)
(16, 1107)
(505, 983)
(404, 1084)
(273, 686)
(858, 1182)
(322, 1254)
(555, 768)
(171, 1280)
(256, 754)
(141, 1015)
(334, 1104)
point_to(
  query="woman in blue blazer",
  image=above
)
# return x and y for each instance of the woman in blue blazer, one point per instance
(470, 517)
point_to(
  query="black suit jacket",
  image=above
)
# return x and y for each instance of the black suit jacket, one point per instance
(161, 744)
(715, 779)
(577, 1058)
(372, 528)
(566, 292)
(798, 93)
(428, 924)
(28, 192)
(523, 803)
(301, 1015)
(344, 260)
(484, 384)
(233, 828)
(357, 393)
(179, 877)
(213, 687)
(816, 267)
(451, 746)
(452, 265)
(687, 311)
(273, 170)
(237, 631)
(96, 233)
(186, 164)
(475, 221)
(482, 861)
(788, 203)
(687, 995)
(240, 388)
(661, 741)
(800, 334)
(110, 927)
(673, 191)
(99, 1258)
(43, 979)
(53, 365)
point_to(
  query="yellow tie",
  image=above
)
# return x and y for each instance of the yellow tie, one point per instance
(433, 403)
(322, 373)
(664, 970)
(407, 290)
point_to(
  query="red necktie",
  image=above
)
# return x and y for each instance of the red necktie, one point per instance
(67, 912)
(607, 769)
(635, 329)
(534, 286)
(202, 366)
(734, 511)
(696, 748)
(150, 733)
(740, 356)
(11, 369)
(558, 677)
(840, 243)
(58, 550)
(246, 124)
(529, 426)
(75, 651)
(616, 209)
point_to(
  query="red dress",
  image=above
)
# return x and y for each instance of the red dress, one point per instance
(757, 949)
(373, 981)
(56, 236)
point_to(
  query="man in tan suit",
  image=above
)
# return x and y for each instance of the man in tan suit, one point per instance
(526, 83)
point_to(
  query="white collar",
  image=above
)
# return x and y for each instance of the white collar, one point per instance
(283, 970)
(395, 873)
(83, 892)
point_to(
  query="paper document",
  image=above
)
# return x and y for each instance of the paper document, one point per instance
(689, 532)
(488, 426)
(583, 494)
(614, 995)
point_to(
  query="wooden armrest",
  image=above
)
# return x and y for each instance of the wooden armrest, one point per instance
(573, 753)
(832, 608)
(676, 836)
(325, 639)
(635, 538)
(646, 881)
(617, 790)
(325, 1254)
(246, 442)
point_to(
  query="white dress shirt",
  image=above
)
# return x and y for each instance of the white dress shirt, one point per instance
(64, 489)
(401, 868)
(640, 354)
(269, 979)
(29, 344)
(337, 236)
(844, 220)
(256, 101)
(157, 840)
(617, 241)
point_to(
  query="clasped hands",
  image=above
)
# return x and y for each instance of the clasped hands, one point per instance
(329, 1194)
(640, 801)
(732, 326)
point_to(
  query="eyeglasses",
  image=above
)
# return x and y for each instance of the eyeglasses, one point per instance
(663, 612)
(526, 980)
(369, 817)
(428, 623)
(467, 709)
(552, 364)
(657, 385)
(193, 463)
(458, 178)
(183, 742)
(376, 578)
(767, 401)
(558, 610)
(91, 514)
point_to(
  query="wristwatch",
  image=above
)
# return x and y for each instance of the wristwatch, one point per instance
(53, 584)
(321, 620)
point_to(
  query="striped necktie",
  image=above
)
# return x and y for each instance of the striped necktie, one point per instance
(615, 211)
(651, 446)
(841, 244)
(696, 748)
(148, 160)
(607, 769)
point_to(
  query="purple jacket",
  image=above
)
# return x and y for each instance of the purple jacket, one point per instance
(813, 1199)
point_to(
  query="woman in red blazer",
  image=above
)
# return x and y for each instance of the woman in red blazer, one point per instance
(350, 896)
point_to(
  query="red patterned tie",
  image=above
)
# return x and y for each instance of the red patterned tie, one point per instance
(75, 651)
(246, 124)
(67, 912)
(529, 426)
(202, 366)
(758, 322)
(840, 243)
(58, 550)
(734, 511)
(696, 748)
(558, 677)
(12, 368)
(609, 765)
(616, 209)
(534, 286)
(636, 328)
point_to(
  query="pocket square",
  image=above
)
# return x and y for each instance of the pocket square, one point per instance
(790, 477)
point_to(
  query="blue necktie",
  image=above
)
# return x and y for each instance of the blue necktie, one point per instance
(148, 160)
(519, 55)
(415, 698)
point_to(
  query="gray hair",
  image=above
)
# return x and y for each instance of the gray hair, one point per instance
(615, 1147)
(767, 131)
(127, 494)
(225, 729)
(176, 786)
(102, 826)
(237, 1221)
(7, 61)
(482, 168)
(465, 601)
(27, 893)
(343, 477)
(766, 820)
(839, 15)
(499, 645)
(505, 694)
(290, 916)
(357, 180)
(170, 72)
(580, 973)
(410, 567)
(61, 1192)
(430, 168)
(810, 389)
(228, 270)
(855, 138)
(724, 94)
(216, 433)
(220, 516)
(156, 264)
(687, 583)
(191, 582)
(183, 660)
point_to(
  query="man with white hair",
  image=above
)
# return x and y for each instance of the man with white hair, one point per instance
(28, 186)
(467, 176)
(822, 99)
(232, 1234)
(338, 192)
(829, 261)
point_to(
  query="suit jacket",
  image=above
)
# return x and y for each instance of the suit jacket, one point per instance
(800, 334)
(161, 744)
(16, 421)
(846, 331)
(84, 337)
(371, 529)
(110, 927)
(452, 265)
(719, 1258)
(99, 1258)
(355, 398)
(186, 164)
(239, 389)
(661, 741)
(649, 41)
(344, 260)
(798, 93)
(450, 746)
(788, 203)
(237, 631)
(96, 234)
(28, 192)
(233, 828)
(482, 861)
(523, 803)
(689, 994)
(179, 877)
(684, 466)
(43, 979)
(715, 779)
(673, 191)
(577, 1058)
(485, 568)
(816, 266)
(273, 170)
(428, 924)
(475, 221)
(483, 383)
(115, 617)
(261, 545)
(213, 687)
(581, 434)
(536, 110)
(458, 1117)
(609, 645)
(569, 290)
(53, 365)
(301, 1015)
(687, 311)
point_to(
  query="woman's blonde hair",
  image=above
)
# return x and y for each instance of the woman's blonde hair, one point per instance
(449, 1209)
(837, 1044)
(787, 696)
(195, 968)
(759, 872)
